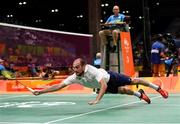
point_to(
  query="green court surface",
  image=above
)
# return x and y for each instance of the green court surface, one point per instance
(69, 108)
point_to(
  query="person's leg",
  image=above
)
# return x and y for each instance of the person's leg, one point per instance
(115, 35)
(118, 82)
(103, 36)
(175, 68)
(125, 90)
(140, 94)
(155, 70)
(161, 69)
(139, 81)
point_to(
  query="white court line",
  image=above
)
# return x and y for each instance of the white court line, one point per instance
(14, 97)
(100, 110)
(91, 123)
(18, 123)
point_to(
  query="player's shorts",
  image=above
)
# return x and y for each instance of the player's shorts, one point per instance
(116, 80)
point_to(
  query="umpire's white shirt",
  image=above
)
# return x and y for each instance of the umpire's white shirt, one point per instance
(90, 78)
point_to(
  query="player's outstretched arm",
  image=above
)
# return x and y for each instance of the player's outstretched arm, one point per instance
(101, 93)
(53, 88)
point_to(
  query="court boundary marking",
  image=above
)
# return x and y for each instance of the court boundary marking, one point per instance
(89, 123)
(87, 113)
(18, 123)
(14, 97)
(99, 110)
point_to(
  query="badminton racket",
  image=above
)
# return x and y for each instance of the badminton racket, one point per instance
(28, 88)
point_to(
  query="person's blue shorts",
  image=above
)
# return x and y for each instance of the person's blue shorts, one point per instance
(116, 80)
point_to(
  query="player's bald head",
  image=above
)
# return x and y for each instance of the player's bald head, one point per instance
(79, 66)
(79, 61)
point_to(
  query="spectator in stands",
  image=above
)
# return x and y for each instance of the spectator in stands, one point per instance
(4, 72)
(173, 43)
(2, 65)
(97, 60)
(48, 72)
(41, 72)
(32, 70)
(9, 66)
(158, 56)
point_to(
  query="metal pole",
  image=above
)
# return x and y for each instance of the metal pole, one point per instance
(146, 39)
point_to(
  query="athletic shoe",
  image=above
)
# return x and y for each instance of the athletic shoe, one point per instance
(164, 93)
(144, 96)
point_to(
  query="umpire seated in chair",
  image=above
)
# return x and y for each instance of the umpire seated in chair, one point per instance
(114, 25)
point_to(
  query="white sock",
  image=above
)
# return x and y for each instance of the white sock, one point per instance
(138, 94)
(154, 86)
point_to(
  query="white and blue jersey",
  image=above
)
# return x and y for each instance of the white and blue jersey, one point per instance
(90, 78)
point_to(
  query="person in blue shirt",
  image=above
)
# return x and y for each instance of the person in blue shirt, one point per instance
(158, 57)
(113, 29)
(97, 60)
(1, 65)
(4, 72)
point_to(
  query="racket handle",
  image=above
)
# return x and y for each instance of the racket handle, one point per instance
(30, 89)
